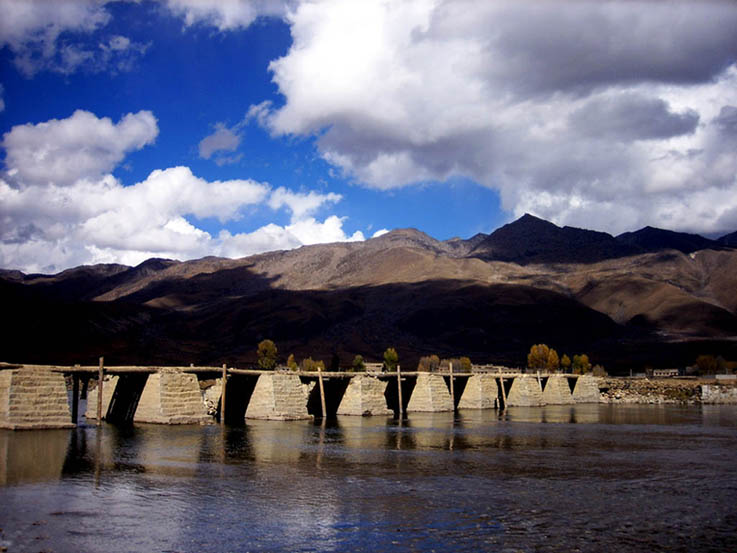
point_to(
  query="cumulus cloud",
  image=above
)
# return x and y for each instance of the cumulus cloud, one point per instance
(301, 204)
(32, 29)
(62, 151)
(590, 113)
(228, 14)
(60, 206)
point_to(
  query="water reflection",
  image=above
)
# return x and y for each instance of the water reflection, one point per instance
(32, 456)
(533, 479)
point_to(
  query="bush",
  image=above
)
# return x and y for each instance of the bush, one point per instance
(429, 363)
(266, 355)
(581, 364)
(391, 359)
(358, 365)
(309, 364)
(291, 363)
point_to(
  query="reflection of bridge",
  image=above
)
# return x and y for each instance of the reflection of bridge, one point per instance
(35, 396)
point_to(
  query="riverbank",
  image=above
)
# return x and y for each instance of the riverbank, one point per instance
(666, 391)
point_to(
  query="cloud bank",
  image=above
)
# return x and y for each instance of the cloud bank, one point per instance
(610, 115)
(61, 206)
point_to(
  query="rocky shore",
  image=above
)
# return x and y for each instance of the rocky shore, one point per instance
(666, 390)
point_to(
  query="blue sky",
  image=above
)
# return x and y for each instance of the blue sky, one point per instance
(186, 128)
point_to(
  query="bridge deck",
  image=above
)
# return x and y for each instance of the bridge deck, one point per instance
(128, 369)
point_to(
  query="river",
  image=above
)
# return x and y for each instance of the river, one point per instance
(574, 478)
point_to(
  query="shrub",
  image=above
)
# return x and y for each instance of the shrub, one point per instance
(291, 363)
(266, 355)
(391, 359)
(358, 365)
(429, 363)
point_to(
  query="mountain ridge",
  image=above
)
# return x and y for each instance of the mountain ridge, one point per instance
(491, 296)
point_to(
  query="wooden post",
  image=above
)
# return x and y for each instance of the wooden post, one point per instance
(504, 392)
(222, 394)
(100, 376)
(452, 392)
(399, 390)
(322, 393)
(539, 381)
(75, 397)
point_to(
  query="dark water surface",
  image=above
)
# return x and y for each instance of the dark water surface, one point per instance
(581, 478)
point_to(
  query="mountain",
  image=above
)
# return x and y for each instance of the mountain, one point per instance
(652, 239)
(533, 240)
(490, 297)
(729, 240)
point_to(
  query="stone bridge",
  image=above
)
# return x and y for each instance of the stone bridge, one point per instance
(35, 396)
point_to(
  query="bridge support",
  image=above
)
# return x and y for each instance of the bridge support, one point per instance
(430, 395)
(108, 390)
(33, 398)
(279, 396)
(525, 392)
(480, 393)
(586, 390)
(171, 397)
(364, 396)
(557, 391)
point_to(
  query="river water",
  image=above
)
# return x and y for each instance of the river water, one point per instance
(574, 478)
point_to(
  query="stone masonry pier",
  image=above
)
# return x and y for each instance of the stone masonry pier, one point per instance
(36, 396)
(33, 398)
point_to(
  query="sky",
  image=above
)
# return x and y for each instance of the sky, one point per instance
(187, 128)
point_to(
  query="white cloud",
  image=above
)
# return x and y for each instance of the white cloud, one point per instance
(60, 207)
(300, 204)
(380, 232)
(62, 151)
(226, 14)
(525, 97)
(32, 30)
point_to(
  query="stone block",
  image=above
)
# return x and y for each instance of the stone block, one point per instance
(480, 393)
(364, 396)
(525, 392)
(171, 397)
(33, 398)
(557, 391)
(278, 396)
(586, 390)
(430, 395)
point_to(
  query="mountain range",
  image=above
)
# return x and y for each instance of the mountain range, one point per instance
(651, 297)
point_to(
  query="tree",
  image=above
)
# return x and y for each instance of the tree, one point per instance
(291, 363)
(266, 355)
(538, 357)
(391, 359)
(581, 364)
(707, 364)
(429, 363)
(466, 364)
(358, 364)
(553, 363)
(309, 365)
(565, 363)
